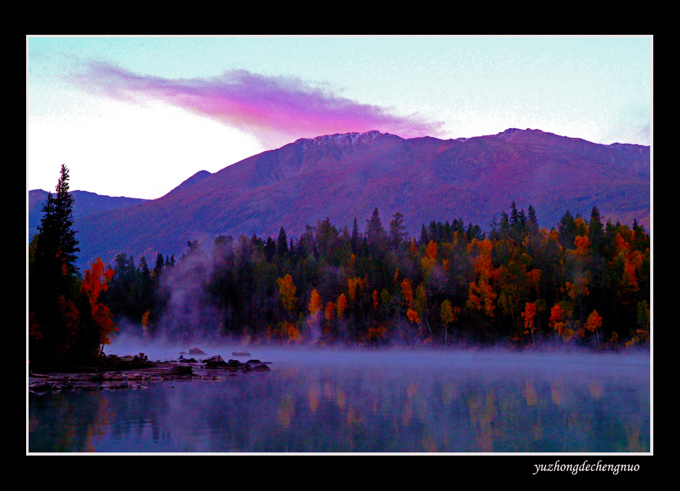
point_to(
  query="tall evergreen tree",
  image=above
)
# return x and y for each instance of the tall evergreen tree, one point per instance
(532, 221)
(397, 233)
(355, 236)
(53, 276)
(282, 243)
(57, 238)
(595, 229)
(514, 217)
(375, 233)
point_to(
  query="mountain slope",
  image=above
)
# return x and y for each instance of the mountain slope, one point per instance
(345, 176)
(86, 203)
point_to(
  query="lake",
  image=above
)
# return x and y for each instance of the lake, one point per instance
(381, 401)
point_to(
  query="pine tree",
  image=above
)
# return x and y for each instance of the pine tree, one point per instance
(53, 276)
(355, 236)
(595, 229)
(376, 235)
(57, 237)
(397, 233)
(532, 221)
(282, 243)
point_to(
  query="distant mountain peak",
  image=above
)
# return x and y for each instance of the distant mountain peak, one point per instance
(340, 139)
(199, 176)
(512, 133)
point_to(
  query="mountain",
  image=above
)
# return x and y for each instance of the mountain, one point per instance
(344, 176)
(86, 203)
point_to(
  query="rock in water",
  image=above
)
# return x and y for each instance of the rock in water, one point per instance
(180, 370)
(215, 362)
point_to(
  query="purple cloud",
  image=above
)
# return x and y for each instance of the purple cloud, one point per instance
(273, 109)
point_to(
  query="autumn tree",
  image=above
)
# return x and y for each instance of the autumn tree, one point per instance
(557, 318)
(329, 314)
(481, 295)
(97, 324)
(341, 305)
(448, 315)
(593, 324)
(407, 293)
(528, 315)
(287, 291)
(315, 306)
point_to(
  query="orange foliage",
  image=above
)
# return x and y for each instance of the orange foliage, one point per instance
(407, 293)
(315, 303)
(413, 316)
(94, 283)
(594, 321)
(355, 285)
(557, 315)
(431, 251)
(430, 257)
(315, 306)
(474, 301)
(287, 290)
(341, 305)
(481, 297)
(330, 310)
(528, 315)
(291, 331)
(375, 299)
(582, 244)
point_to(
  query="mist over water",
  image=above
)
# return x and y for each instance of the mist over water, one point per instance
(322, 400)
(575, 362)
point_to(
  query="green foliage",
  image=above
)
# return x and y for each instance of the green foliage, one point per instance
(68, 323)
(484, 283)
(454, 283)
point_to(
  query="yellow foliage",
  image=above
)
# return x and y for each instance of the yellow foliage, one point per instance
(287, 291)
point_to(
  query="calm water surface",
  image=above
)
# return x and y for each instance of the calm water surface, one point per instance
(390, 401)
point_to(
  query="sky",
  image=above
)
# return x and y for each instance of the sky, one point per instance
(137, 115)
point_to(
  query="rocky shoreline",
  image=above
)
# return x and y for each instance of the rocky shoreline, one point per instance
(137, 372)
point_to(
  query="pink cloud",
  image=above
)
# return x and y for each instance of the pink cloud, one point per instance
(277, 110)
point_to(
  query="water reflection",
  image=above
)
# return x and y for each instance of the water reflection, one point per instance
(327, 402)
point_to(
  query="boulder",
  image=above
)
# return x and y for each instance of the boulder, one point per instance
(215, 362)
(257, 367)
(180, 370)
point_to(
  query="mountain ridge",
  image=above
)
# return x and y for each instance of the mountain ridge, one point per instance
(344, 176)
(86, 203)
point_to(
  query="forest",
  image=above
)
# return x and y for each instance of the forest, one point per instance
(582, 283)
